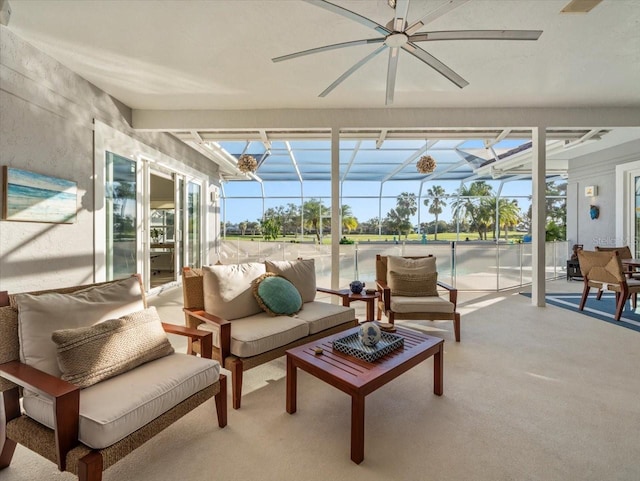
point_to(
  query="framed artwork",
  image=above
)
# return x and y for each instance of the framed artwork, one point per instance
(31, 197)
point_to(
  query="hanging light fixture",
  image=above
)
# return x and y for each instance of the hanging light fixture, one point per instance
(247, 163)
(426, 164)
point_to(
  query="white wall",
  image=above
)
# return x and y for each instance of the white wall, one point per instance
(596, 169)
(47, 117)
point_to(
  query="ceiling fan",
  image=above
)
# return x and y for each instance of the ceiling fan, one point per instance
(399, 35)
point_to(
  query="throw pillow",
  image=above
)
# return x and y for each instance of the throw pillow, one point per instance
(410, 266)
(40, 315)
(301, 273)
(88, 355)
(276, 295)
(227, 289)
(413, 285)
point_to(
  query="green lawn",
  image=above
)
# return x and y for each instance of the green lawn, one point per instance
(363, 238)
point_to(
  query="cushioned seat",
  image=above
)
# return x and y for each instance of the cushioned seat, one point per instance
(421, 304)
(111, 410)
(260, 333)
(322, 315)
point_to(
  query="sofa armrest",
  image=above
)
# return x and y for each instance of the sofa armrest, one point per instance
(66, 403)
(205, 338)
(222, 324)
(453, 293)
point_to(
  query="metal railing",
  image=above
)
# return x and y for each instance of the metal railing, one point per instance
(468, 266)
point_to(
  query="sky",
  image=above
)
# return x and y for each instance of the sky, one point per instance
(362, 197)
(362, 160)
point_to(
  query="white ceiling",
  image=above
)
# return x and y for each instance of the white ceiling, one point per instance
(216, 54)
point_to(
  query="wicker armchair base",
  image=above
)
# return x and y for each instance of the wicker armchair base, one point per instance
(40, 439)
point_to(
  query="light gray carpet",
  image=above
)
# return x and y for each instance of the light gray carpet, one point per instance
(529, 394)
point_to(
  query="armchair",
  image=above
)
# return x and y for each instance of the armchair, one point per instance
(65, 412)
(603, 269)
(415, 307)
(252, 337)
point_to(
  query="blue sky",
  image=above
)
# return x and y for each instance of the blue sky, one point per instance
(364, 161)
(361, 196)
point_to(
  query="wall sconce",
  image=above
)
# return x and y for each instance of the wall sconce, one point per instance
(591, 191)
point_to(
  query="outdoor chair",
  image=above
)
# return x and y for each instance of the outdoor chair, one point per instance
(128, 383)
(625, 254)
(408, 289)
(603, 270)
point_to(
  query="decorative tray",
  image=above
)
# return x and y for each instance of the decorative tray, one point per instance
(352, 345)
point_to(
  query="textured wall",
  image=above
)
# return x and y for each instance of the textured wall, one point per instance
(46, 126)
(596, 169)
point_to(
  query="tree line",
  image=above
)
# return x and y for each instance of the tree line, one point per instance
(473, 207)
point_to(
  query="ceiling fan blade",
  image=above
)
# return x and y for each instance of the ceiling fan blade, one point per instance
(328, 47)
(350, 15)
(476, 35)
(435, 64)
(355, 67)
(392, 70)
(402, 8)
(433, 14)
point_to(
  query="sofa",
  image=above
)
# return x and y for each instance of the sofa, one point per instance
(87, 375)
(220, 299)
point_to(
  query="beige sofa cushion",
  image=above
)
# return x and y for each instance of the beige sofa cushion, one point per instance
(323, 315)
(261, 333)
(420, 304)
(88, 355)
(228, 290)
(111, 410)
(40, 315)
(301, 273)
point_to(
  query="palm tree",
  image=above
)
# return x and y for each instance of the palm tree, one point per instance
(435, 204)
(467, 205)
(315, 215)
(349, 222)
(509, 215)
(399, 219)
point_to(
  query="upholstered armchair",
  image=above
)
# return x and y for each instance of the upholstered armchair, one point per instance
(409, 291)
(96, 375)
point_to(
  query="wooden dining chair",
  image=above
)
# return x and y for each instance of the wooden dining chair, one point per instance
(603, 270)
(625, 254)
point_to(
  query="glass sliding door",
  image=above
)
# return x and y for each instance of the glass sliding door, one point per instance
(194, 224)
(180, 216)
(121, 186)
(636, 217)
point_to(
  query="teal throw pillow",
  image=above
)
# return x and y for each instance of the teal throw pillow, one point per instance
(276, 295)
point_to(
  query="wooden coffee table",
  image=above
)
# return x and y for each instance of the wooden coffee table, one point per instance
(359, 378)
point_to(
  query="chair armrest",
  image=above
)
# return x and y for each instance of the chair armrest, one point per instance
(205, 338)
(453, 293)
(334, 292)
(386, 294)
(66, 403)
(223, 325)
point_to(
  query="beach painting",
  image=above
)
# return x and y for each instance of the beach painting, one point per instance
(31, 197)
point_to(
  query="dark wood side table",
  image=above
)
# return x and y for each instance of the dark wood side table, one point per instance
(370, 299)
